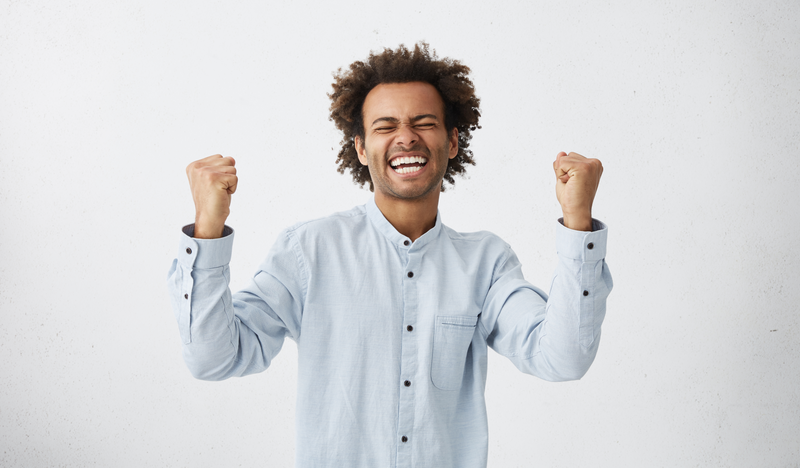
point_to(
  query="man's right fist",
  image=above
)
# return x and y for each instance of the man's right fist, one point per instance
(212, 180)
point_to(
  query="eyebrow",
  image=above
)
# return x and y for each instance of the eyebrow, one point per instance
(413, 119)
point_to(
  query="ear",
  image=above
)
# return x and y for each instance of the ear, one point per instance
(362, 154)
(453, 143)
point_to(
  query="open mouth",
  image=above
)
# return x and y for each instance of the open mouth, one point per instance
(408, 164)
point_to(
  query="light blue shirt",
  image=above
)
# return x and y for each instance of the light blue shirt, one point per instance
(392, 335)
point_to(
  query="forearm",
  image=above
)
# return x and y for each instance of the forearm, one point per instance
(576, 308)
(198, 286)
(210, 353)
(577, 302)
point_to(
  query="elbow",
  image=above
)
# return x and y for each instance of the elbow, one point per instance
(577, 372)
(204, 373)
(566, 367)
(579, 364)
(208, 366)
(576, 361)
(569, 373)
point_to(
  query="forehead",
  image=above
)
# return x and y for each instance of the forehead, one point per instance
(402, 101)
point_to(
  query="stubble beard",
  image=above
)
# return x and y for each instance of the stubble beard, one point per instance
(383, 184)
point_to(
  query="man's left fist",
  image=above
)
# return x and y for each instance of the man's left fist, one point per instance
(577, 179)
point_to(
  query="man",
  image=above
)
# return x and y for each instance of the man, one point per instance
(391, 310)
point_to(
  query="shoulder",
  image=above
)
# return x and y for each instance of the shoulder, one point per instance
(478, 239)
(330, 225)
(484, 247)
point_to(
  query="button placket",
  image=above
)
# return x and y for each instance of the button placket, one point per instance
(409, 356)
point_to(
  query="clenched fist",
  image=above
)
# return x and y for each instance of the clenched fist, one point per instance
(577, 179)
(212, 180)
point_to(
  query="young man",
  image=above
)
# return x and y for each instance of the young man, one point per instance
(391, 310)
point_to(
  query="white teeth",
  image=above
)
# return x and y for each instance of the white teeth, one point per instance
(408, 160)
(406, 170)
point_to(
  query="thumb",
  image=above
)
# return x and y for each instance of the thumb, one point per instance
(561, 174)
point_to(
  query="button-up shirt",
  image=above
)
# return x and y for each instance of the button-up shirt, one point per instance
(392, 335)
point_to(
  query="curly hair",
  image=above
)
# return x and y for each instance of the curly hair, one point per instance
(449, 77)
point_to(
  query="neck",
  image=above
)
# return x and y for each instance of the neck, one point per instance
(411, 218)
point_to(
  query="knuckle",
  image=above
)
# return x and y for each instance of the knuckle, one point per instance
(207, 174)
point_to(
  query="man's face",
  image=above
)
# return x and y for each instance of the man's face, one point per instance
(406, 145)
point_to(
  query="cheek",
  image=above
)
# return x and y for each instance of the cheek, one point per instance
(375, 152)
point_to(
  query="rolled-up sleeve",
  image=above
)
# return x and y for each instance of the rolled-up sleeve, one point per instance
(555, 336)
(223, 334)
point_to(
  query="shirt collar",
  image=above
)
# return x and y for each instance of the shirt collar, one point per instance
(385, 227)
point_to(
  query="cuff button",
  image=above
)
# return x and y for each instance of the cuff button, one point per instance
(189, 250)
(590, 246)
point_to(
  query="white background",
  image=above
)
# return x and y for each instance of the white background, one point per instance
(691, 106)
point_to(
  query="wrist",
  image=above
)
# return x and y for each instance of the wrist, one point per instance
(578, 222)
(205, 228)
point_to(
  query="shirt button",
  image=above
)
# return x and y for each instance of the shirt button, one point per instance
(188, 250)
(410, 328)
(586, 293)
(410, 274)
(404, 439)
(590, 246)
(407, 383)
(406, 243)
(186, 296)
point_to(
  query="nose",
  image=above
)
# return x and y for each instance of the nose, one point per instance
(406, 136)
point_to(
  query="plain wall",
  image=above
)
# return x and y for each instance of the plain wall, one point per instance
(691, 106)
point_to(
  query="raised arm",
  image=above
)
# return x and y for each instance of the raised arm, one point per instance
(224, 334)
(556, 336)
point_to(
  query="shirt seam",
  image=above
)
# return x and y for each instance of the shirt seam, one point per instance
(508, 254)
(344, 214)
(298, 252)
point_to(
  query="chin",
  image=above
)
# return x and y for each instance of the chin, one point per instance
(414, 193)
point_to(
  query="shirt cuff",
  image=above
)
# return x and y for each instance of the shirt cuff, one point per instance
(582, 245)
(205, 253)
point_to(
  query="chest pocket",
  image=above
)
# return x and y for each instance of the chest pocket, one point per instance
(451, 340)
